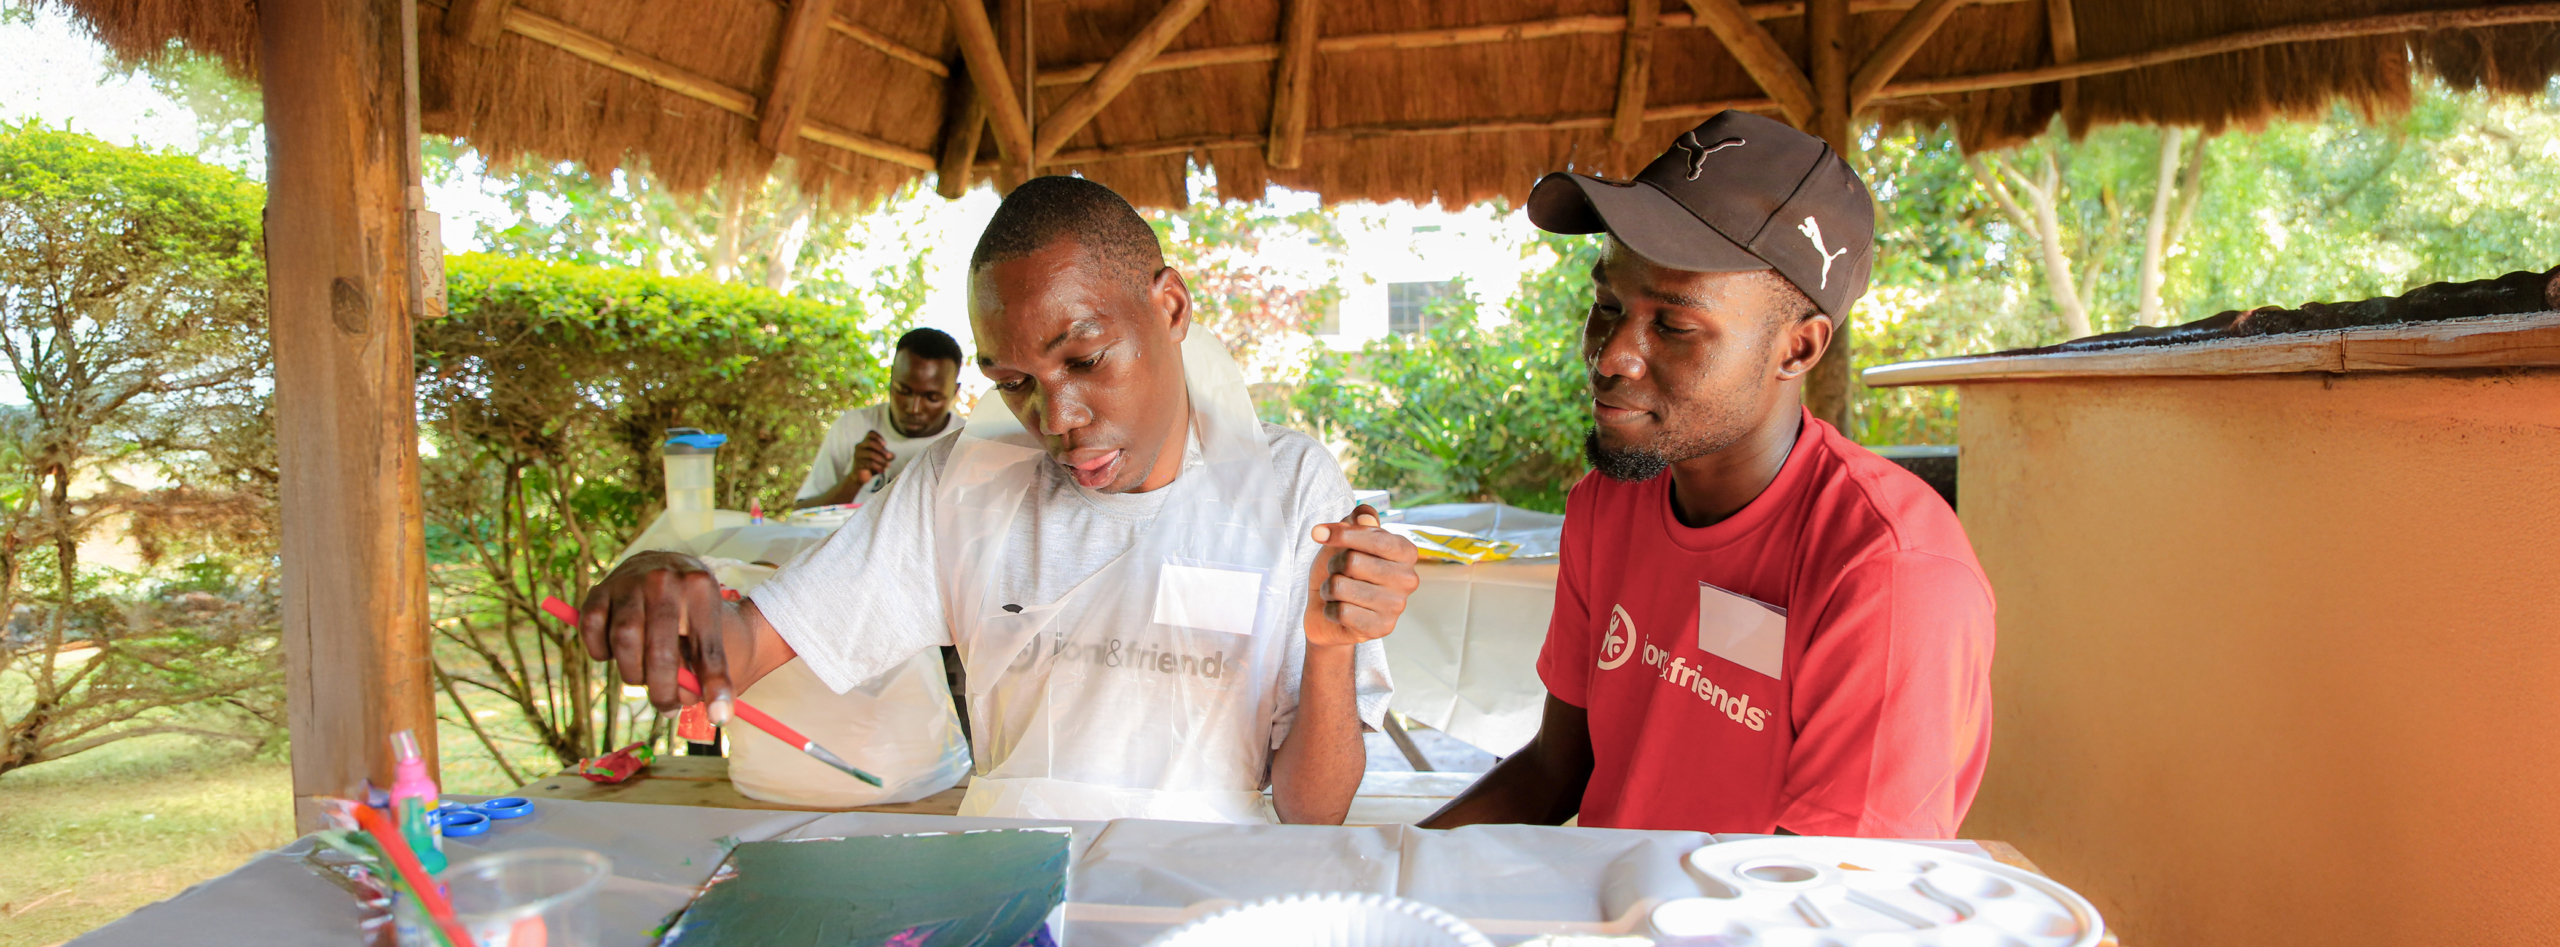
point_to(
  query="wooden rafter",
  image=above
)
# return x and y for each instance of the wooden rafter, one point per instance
(1635, 71)
(795, 62)
(1453, 36)
(965, 121)
(1175, 146)
(992, 79)
(2385, 25)
(477, 22)
(1908, 33)
(1760, 55)
(1826, 28)
(892, 48)
(2064, 27)
(1072, 115)
(676, 79)
(1293, 84)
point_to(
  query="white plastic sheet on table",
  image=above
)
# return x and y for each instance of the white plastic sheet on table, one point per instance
(1128, 881)
(1465, 654)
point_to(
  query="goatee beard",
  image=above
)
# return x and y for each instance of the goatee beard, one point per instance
(1626, 465)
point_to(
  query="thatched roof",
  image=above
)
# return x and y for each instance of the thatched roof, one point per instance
(1413, 99)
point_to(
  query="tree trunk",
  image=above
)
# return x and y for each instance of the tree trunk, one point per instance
(2155, 233)
(733, 226)
(2045, 224)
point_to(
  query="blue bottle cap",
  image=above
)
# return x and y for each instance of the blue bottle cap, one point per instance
(466, 822)
(505, 807)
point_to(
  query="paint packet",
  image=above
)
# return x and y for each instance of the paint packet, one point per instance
(1448, 545)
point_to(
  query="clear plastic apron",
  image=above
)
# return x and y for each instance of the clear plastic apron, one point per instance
(1143, 692)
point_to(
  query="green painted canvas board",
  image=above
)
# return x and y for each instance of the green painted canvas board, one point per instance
(962, 889)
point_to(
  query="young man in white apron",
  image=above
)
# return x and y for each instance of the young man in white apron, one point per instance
(1162, 604)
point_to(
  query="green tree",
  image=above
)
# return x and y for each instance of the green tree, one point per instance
(1468, 412)
(132, 314)
(543, 397)
(763, 232)
(1263, 311)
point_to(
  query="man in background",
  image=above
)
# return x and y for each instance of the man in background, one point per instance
(869, 445)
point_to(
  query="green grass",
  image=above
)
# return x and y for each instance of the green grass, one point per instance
(93, 837)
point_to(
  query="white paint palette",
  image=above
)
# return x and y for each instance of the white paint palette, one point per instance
(1847, 892)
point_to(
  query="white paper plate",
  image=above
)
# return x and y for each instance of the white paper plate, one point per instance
(1847, 892)
(1325, 919)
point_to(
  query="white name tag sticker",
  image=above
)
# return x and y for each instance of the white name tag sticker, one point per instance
(1743, 630)
(1208, 599)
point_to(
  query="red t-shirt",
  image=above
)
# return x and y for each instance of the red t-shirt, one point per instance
(1878, 718)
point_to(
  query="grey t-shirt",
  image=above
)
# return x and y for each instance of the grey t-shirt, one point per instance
(870, 597)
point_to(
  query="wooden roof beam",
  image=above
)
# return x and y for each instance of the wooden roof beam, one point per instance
(795, 61)
(676, 79)
(1079, 109)
(965, 122)
(1908, 33)
(1635, 73)
(1181, 59)
(477, 22)
(2384, 25)
(2064, 26)
(890, 47)
(1293, 84)
(992, 80)
(1760, 55)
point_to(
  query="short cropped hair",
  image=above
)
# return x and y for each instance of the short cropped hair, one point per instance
(1045, 210)
(930, 343)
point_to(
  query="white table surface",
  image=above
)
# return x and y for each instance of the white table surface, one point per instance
(660, 853)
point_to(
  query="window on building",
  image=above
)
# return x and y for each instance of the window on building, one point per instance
(1407, 302)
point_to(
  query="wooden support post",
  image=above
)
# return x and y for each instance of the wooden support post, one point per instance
(1913, 29)
(1635, 80)
(2065, 30)
(964, 121)
(1760, 55)
(477, 22)
(795, 63)
(1826, 388)
(1294, 83)
(995, 87)
(1826, 29)
(1072, 115)
(339, 271)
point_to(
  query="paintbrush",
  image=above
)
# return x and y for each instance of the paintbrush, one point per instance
(745, 711)
(413, 874)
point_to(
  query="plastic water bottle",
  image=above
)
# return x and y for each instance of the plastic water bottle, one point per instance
(689, 454)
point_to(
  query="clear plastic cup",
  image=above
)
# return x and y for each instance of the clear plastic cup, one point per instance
(535, 897)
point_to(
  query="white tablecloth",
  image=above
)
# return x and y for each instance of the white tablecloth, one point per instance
(1464, 657)
(1491, 872)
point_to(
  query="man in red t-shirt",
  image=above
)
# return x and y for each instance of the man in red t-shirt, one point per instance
(1788, 633)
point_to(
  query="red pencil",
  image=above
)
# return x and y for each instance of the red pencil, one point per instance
(747, 712)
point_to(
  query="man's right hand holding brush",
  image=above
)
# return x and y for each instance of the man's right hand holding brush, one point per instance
(661, 611)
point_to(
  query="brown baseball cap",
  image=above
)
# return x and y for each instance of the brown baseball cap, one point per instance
(1739, 192)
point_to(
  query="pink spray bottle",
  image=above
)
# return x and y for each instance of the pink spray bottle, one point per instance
(413, 803)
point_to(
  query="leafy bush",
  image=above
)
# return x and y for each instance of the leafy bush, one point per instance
(543, 397)
(133, 317)
(1467, 412)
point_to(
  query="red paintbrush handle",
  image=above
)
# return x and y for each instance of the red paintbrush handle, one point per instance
(685, 679)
